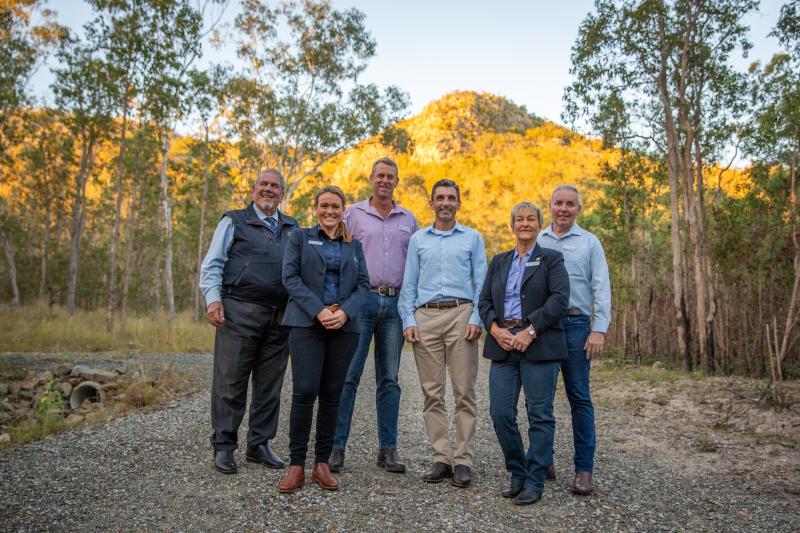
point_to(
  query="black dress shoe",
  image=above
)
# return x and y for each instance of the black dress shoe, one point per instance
(388, 459)
(336, 460)
(223, 461)
(461, 476)
(528, 496)
(514, 489)
(439, 471)
(263, 454)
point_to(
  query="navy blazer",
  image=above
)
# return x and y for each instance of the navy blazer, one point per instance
(544, 295)
(304, 279)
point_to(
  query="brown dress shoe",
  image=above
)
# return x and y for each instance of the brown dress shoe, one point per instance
(462, 476)
(439, 472)
(551, 473)
(582, 483)
(321, 475)
(388, 459)
(293, 481)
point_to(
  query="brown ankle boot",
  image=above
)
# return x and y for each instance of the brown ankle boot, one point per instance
(293, 481)
(321, 475)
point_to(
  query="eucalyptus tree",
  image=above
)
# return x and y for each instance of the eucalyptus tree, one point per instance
(84, 88)
(775, 144)
(669, 62)
(299, 99)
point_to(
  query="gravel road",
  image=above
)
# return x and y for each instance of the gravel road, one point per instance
(152, 471)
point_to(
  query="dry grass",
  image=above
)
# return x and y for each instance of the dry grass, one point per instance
(38, 328)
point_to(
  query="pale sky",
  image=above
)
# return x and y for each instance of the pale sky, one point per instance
(513, 48)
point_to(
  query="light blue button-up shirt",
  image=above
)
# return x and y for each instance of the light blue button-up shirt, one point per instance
(512, 304)
(585, 260)
(442, 265)
(217, 255)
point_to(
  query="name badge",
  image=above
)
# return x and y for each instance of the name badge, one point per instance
(568, 248)
(404, 228)
(535, 263)
(315, 243)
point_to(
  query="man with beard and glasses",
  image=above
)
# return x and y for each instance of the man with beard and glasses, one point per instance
(241, 280)
(444, 272)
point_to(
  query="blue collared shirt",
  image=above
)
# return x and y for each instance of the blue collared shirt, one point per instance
(217, 256)
(589, 283)
(512, 304)
(442, 265)
(332, 252)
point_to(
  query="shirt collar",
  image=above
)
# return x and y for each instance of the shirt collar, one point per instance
(365, 206)
(323, 235)
(457, 227)
(527, 254)
(263, 216)
(574, 230)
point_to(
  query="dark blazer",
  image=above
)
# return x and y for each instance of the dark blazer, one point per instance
(544, 295)
(304, 279)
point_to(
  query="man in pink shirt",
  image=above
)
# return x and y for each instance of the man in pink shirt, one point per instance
(384, 229)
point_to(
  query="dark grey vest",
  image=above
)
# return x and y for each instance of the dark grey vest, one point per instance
(253, 270)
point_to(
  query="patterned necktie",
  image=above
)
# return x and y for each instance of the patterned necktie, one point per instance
(272, 225)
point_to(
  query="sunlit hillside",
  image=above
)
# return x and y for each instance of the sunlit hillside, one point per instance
(497, 151)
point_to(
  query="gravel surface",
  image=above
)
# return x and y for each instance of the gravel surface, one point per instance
(152, 471)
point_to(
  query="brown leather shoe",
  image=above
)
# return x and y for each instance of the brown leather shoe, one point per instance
(582, 483)
(321, 475)
(293, 481)
(462, 476)
(388, 459)
(439, 472)
(551, 473)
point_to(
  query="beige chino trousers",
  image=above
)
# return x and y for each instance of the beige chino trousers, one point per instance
(442, 346)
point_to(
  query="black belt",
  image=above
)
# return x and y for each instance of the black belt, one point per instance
(574, 311)
(383, 290)
(509, 323)
(446, 304)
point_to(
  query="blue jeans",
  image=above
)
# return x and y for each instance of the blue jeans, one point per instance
(379, 317)
(575, 373)
(539, 382)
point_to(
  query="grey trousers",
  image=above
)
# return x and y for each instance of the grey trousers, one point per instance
(252, 343)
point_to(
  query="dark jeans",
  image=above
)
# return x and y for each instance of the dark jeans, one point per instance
(575, 373)
(251, 343)
(539, 383)
(320, 359)
(379, 317)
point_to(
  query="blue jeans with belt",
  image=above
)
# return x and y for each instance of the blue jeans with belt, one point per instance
(539, 383)
(575, 373)
(379, 317)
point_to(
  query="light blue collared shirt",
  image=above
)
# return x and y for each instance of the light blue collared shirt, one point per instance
(442, 265)
(217, 255)
(585, 260)
(512, 304)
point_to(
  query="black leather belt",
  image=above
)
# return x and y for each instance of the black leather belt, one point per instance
(446, 304)
(383, 290)
(574, 311)
(509, 323)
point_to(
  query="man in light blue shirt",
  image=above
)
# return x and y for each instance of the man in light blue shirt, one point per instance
(444, 272)
(590, 296)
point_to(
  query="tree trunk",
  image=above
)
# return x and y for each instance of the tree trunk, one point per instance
(12, 269)
(78, 219)
(166, 206)
(198, 306)
(130, 237)
(115, 232)
(45, 254)
(673, 169)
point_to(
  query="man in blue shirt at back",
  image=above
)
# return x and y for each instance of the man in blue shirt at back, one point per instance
(589, 296)
(444, 272)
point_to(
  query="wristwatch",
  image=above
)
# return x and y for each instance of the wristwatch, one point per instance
(531, 331)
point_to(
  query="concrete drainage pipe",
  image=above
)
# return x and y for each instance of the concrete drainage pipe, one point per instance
(86, 390)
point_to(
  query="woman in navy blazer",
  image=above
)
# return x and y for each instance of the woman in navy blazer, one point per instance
(326, 276)
(524, 296)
